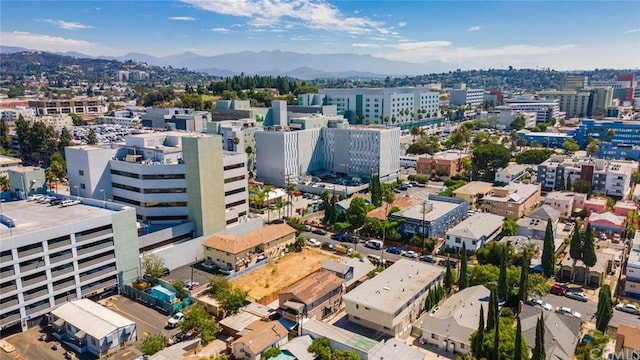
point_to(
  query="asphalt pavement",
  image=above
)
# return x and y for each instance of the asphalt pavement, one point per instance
(588, 310)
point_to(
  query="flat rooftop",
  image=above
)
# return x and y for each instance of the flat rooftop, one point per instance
(440, 208)
(30, 216)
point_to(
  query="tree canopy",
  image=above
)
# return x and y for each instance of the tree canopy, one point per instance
(534, 156)
(488, 159)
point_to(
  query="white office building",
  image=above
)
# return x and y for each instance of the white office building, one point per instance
(471, 97)
(390, 103)
(52, 255)
(505, 115)
(544, 109)
(284, 156)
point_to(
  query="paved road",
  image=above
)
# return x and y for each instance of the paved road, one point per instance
(588, 310)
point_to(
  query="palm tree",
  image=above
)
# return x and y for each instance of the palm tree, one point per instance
(393, 119)
(4, 183)
(279, 205)
(415, 131)
(249, 151)
(291, 188)
(386, 120)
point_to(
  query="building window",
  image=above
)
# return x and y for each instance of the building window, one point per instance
(434, 336)
(82, 186)
(81, 172)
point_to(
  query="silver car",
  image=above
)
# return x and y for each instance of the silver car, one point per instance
(575, 295)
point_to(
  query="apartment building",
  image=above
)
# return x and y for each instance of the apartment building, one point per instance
(584, 102)
(168, 177)
(473, 192)
(575, 82)
(431, 217)
(505, 115)
(445, 163)
(474, 232)
(466, 96)
(632, 283)
(352, 151)
(51, 255)
(392, 300)
(80, 106)
(514, 200)
(175, 119)
(374, 105)
(511, 173)
(619, 139)
(610, 177)
(544, 109)
(565, 202)
(314, 297)
(12, 115)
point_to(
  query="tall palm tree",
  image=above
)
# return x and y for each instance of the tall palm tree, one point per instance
(291, 188)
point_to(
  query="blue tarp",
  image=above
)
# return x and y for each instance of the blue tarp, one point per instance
(288, 324)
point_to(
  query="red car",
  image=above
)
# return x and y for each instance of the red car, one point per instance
(558, 290)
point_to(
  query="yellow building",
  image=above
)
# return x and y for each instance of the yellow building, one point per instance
(473, 191)
(513, 201)
(237, 252)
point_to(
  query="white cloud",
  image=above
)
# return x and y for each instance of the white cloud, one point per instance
(402, 24)
(313, 14)
(632, 31)
(474, 28)
(220, 30)
(365, 45)
(51, 43)
(68, 25)
(182, 18)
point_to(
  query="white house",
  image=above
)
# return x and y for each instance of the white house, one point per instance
(474, 231)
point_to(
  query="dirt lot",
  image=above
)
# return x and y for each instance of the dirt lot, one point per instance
(282, 272)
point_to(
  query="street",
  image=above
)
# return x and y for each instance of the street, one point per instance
(588, 310)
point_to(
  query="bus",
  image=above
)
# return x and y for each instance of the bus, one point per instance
(409, 161)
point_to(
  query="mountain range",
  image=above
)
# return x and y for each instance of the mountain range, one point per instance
(276, 62)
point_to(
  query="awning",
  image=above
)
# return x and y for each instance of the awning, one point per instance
(293, 305)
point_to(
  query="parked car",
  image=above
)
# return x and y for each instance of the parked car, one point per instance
(568, 311)
(175, 320)
(209, 265)
(373, 244)
(394, 250)
(411, 254)
(319, 231)
(628, 308)
(166, 271)
(576, 295)
(328, 246)
(338, 237)
(313, 242)
(558, 290)
(429, 259)
(188, 284)
(307, 228)
(226, 271)
(540, 303)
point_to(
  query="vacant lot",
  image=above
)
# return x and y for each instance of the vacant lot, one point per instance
(281, 273)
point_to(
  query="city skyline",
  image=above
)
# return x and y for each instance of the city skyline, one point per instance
(467, 35)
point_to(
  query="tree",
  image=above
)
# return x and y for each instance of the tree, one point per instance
(548, 251)
(604, 313)
(509, 227)
(298, 245)
(582, 186)
(589, 257)
(561, 184)
(478, 340)
(492, 311)
(356, 213)
(153, 265)
(92, 138)
(539, 352)
(5, 137)
(495, 354)
(567, 184)
(76, 119)
(570, 145)
(65, 140)
(23, 130)
(219, 284)
(524, 279)
(270, 353)
(575, 250)
(449, 279)
(320, 347)
(534, 156)
(151, 344)
(414, 131)
(463, 282)
(487, 159)
(376, 191)
(593, 148)
(196, 316)
(517, 353)
(231, 299)
(502, 279)
(517, 123)
(180, 289)
(4, 183)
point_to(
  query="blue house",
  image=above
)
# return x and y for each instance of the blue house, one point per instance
(433, 217)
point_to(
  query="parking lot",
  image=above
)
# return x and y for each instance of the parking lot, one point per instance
(200, 274)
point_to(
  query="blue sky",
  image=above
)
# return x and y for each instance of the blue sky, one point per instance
(465, 34)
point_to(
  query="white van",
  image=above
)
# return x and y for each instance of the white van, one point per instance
(374, 244)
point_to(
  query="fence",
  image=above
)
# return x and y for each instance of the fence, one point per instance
(150, 300)
(250, 269)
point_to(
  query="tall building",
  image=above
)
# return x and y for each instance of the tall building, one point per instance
(584, 102)
(176, 119)
(610, 177)
(405, 105)
(631, 90)
(80, 106)
(544, 109)
(53, 255)
(575, 82)
(352, 151)
(466, 96)
(168, 177)
(618, 139)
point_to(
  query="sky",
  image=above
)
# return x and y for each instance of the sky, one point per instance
(569, 35)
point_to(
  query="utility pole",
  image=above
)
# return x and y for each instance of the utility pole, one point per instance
(424, 211)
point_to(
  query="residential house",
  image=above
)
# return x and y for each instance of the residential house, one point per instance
(316, 296)
(607, 223)
(86, 326)
(512, 173)
(352, 271)
(475, 231)
(445, 163)
(632, 283)
(395, 348)
(596, 275)
(449, 326)
(561, 335)
(431, 217)
(8, 162)
(622, 208)
(391, 301)
(627, 343)
(236, 252)
(514, 200)
(565, 202)
(473, 192)
(595, 205)
(534, 225)
(297, 347)
(259, 336)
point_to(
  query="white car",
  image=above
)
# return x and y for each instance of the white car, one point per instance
(568, 311)
(411, 254)
(628, 308)
(540, 303)
(175, 320)
(576, 295)
(313, 242)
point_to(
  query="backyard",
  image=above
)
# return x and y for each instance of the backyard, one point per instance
(281, 273)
